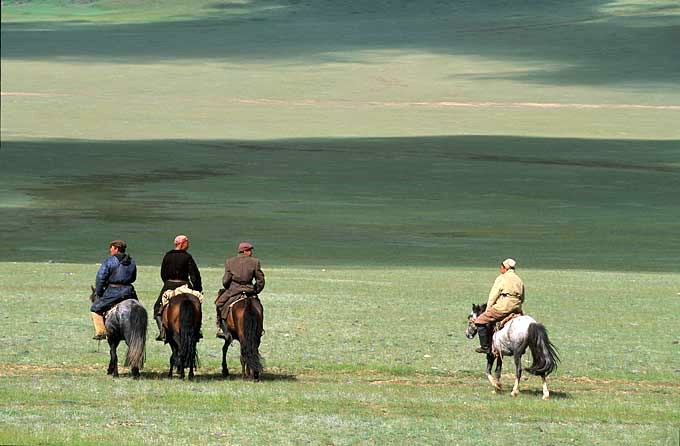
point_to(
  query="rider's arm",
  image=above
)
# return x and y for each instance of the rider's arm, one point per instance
(103, 275)
(495, 292)
(226, 279)
(259, 279)
(195, 275)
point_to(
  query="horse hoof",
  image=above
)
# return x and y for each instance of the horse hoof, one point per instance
(514, 393)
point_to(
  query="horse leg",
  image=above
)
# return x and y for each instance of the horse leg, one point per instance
(225, 347)
(244, 371)
(497, 372)
(113, 362)
(489, 365)
(172, 358)
(546, 393)
(518, 375)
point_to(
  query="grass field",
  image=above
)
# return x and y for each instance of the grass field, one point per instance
(383, 157)
(352, 357)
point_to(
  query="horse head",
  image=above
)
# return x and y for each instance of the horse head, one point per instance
(471, 330)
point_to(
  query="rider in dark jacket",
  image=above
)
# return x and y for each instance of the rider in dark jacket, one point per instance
(178, 268)
(113, 284)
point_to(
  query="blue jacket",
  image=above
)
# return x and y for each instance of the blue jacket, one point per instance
(119, 269)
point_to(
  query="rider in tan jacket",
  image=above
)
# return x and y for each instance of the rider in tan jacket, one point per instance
(506, 297)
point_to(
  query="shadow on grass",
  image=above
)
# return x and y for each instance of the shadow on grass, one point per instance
(539, 394)
(584, 43)
(214, 376)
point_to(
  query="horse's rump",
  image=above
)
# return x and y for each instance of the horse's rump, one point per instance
(171, 313)
(245, 323)
(135, 337)
(182, 322)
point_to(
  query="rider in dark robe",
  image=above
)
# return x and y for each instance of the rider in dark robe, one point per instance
(178, 268)
(113, 284)
(243, 276)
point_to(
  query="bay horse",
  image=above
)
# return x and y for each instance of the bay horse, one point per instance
(182, 323)
(518, 334)
(244, 323)
(126, 321)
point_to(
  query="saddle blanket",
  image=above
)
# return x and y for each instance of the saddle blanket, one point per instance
(184, 289)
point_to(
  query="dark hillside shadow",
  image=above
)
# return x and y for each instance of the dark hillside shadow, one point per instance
(427, 201)
(577, 43)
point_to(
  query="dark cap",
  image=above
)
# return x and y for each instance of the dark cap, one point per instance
(244, 246)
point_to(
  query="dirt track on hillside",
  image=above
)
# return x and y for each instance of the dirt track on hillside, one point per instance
(401, 104)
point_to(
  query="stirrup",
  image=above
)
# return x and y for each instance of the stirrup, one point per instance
(220, 334)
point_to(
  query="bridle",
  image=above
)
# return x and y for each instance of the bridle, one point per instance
(471, 330)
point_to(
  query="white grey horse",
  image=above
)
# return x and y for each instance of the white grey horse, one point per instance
(126, 321)
(513, 339)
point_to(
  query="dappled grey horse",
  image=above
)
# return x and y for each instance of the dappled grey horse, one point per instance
(513, 339)
(126, 321)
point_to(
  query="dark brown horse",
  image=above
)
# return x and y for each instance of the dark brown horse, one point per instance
(182, 324)
(244, 324)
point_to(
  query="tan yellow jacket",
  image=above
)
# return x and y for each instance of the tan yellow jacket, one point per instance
(507, 293)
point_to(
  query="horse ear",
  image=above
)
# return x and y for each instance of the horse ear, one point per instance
(92, 288)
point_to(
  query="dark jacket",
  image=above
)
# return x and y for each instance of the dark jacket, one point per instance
(114, 282)
(179, 265)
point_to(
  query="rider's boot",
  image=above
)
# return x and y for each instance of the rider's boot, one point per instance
(99, 327)
(161, 330)
(484, 333)
(220, 333)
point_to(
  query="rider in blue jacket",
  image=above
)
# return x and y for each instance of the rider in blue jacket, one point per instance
(113, 284)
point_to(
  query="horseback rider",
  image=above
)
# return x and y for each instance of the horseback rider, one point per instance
(239, 274)
(178, 268)
(506, 297)
(113, 284)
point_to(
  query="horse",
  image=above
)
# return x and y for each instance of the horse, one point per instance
(127, 321)
(182, 323)
(512, 340)
(244, 322)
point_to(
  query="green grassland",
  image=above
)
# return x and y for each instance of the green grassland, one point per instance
(353, 356)
(383, 157)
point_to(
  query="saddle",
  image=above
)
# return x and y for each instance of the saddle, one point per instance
(236, 299)
(184, 289)
(508, 318)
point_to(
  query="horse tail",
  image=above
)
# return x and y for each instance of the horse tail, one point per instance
(188, 354)
(136, 338)
(252, 330)
(543, 351)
